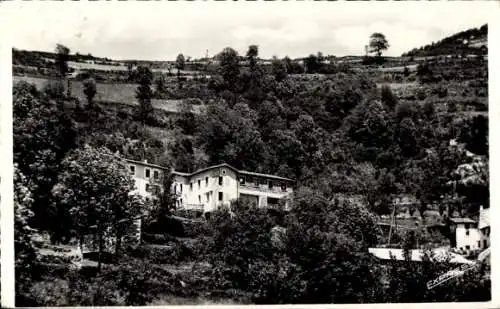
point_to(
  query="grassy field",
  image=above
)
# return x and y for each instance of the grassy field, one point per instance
(116, 93)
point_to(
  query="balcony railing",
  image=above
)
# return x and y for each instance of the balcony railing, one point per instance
(262, 187)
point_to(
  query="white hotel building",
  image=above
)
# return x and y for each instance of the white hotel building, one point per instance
(209, 188)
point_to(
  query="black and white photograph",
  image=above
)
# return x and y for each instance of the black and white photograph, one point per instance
(231, 153)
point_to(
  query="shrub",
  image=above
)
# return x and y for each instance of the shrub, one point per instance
(421, 94)
(387, 97)
(159, 239)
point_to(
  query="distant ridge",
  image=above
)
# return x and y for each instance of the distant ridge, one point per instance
(471, 41)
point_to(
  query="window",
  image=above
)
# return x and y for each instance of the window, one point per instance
(148, 172)
(467, 247)
(156, 189)
(148, 187)
(180, 187)
(283, 186)
(206, 181)
(207, 197)
(191, 186)
(272, 201)
(220, 196)
(223, 172)
(199, 199)
(485, 243)
(466, 232)
(175, 188)
(220, 180)
(199, 183)
(479, 244)
(132, 169)
(156, 175)
(180, 201)
(270, 184)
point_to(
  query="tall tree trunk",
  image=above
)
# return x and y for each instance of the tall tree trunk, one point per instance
(118, 243)
(99, 256)
(392, 220)
(68, 93)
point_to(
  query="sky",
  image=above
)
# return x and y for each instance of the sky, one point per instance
(161, 30)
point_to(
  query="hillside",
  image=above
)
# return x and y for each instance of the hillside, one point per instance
(471, 41)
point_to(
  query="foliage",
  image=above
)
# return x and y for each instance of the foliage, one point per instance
(144, 93)
(42, 137)
(388, 98)
(231, 134)
(378, 43)
(93, 190)
(23, 233)
(90, 90)
(62, 59)
(229, 66)
(279, 69)
(180, 62)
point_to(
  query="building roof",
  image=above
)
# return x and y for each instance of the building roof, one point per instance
(145, 163)
(440, 254)
(462, 220)
(213, 167)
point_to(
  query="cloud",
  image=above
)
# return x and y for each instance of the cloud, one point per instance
(161, 30)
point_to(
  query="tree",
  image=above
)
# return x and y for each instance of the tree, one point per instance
(378, 43)
(323, 238)
(387, 97)
(90, 90)
(94, 189)
(144, 93)
(231, 135)
(62, 66)
(312, 64)
(180, 62)
(23, 244)
(187, 120)
(42, 136)
(279, 69)
(62, 58)
(161, 87)
(229, 66)
(252, 54)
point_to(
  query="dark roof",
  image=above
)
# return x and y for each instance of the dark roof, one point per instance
(462, 220)
(147, 164)
(213, 167)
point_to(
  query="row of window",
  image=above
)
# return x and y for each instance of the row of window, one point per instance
(485, 245)
(208, 197)
(221, 182)
(155, 189)
(147, 173)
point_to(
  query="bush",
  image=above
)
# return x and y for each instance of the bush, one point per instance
(159, 239)
(440, 91)
(169, 225)
(421, 94)
(162, 254)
